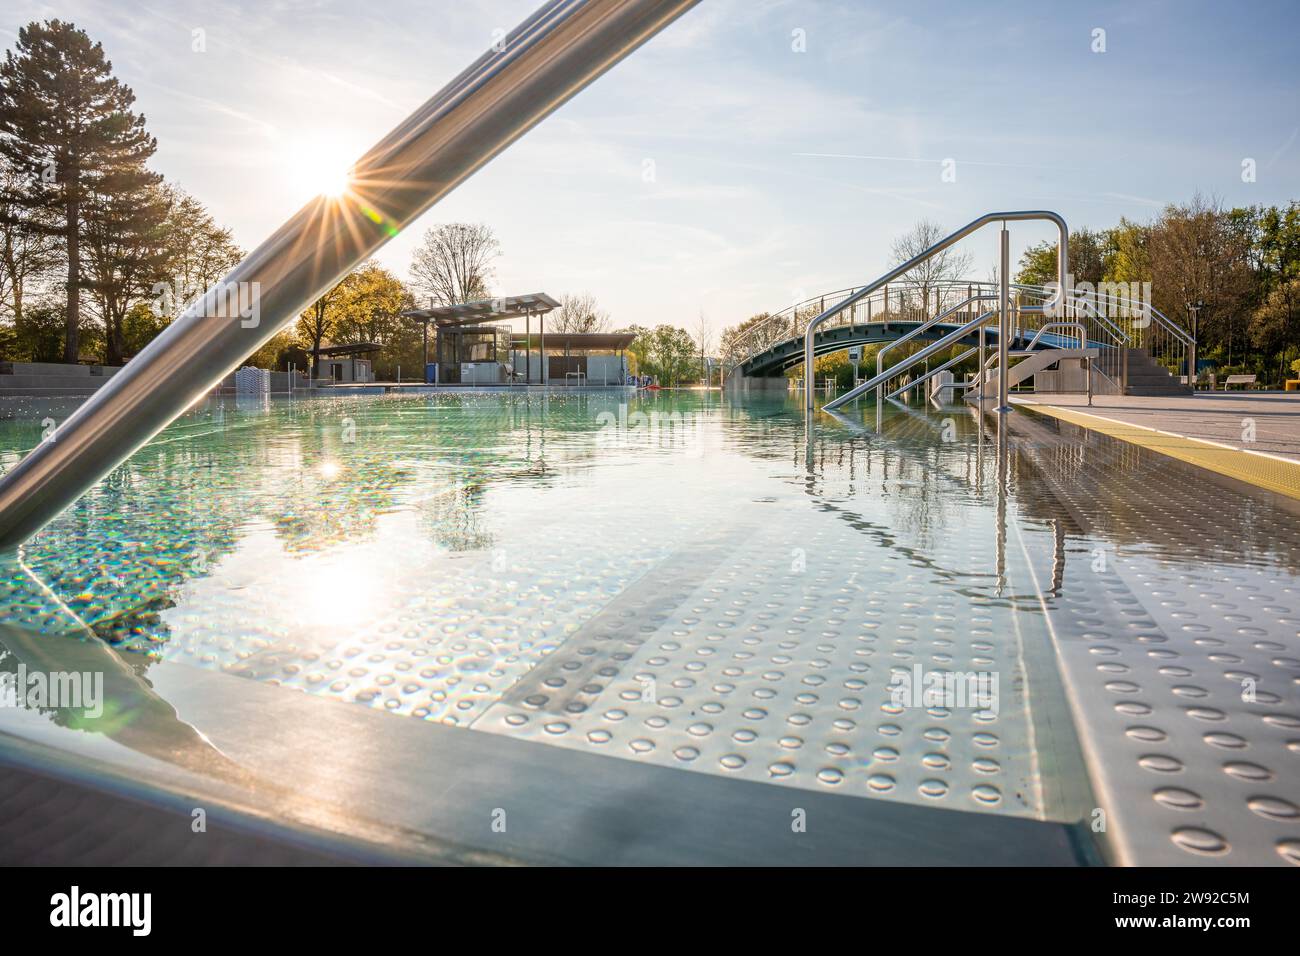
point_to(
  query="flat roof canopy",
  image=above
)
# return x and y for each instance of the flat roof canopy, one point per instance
(356, 348)
(485, 310)
(576, 341)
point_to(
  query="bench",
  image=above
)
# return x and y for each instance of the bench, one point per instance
(1245, 380)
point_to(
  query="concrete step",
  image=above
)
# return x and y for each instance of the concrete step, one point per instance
(57, 368)
(1148, 378)
(21, 382)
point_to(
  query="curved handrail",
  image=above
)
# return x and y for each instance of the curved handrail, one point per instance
(1077, 326)
(1088, 300)
(1062, 257)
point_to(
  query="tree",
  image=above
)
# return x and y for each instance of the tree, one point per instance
(1275, 325)
(579, 314)
(453, 263)
(1130, 258)
(28, 247)
(126, 252)
(38, 335)
(703, 340)
(200, 252)
(753, 335)
(317, 322)
(1090, 255)
(1194, 256)
(1278, 241)
(930, 275)
(371, 300)
(666, 352)
(364, 306)
(66, 125)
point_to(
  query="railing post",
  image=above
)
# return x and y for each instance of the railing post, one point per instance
(1004, 323)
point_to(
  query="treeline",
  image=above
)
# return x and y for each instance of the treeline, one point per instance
(1236, 270)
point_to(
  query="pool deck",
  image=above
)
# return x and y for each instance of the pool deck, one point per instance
(1252, 437)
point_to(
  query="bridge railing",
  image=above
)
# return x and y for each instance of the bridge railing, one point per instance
(904, 301)
(1113, 322)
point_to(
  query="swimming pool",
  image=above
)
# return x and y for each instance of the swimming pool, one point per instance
(386, 618)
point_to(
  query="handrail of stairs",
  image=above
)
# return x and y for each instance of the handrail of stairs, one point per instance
(928, 323)
(1063, 283)
(932, 349)
(956, 360)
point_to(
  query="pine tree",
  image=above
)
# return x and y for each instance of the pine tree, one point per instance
(66, 124)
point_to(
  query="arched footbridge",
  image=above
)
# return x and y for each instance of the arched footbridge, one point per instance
(780, 357)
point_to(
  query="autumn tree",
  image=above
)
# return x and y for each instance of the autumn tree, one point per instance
(1195, 257)
(365, 306)
(316, 323)
(200, 251)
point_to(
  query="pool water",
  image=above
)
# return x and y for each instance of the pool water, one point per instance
(683, 580)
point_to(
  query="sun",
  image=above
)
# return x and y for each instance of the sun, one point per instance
(327, 179)
(320, 168)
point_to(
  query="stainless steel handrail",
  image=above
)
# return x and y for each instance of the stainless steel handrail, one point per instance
(1078, 326)
(955, 360)
(1062, 270)
(759, 338)
(562, 47)
(880, 354)
(932, 349)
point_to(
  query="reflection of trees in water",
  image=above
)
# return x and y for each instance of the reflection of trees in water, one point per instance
(180, 507)
(454, 518)
(322, 511)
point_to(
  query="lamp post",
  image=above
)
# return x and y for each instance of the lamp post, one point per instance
(1193, 312)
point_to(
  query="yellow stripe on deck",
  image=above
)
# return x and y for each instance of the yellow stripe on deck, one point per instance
(1263, 471)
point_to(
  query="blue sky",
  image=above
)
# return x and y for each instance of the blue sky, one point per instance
(777, 174)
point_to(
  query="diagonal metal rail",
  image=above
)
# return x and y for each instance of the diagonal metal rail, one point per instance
(934, 348)
(562, 47)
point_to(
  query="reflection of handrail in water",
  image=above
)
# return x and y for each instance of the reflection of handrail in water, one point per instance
(886, 538)
(138, 718)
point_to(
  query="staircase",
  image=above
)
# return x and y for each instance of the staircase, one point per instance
(1030, 364)
(1148, 377)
